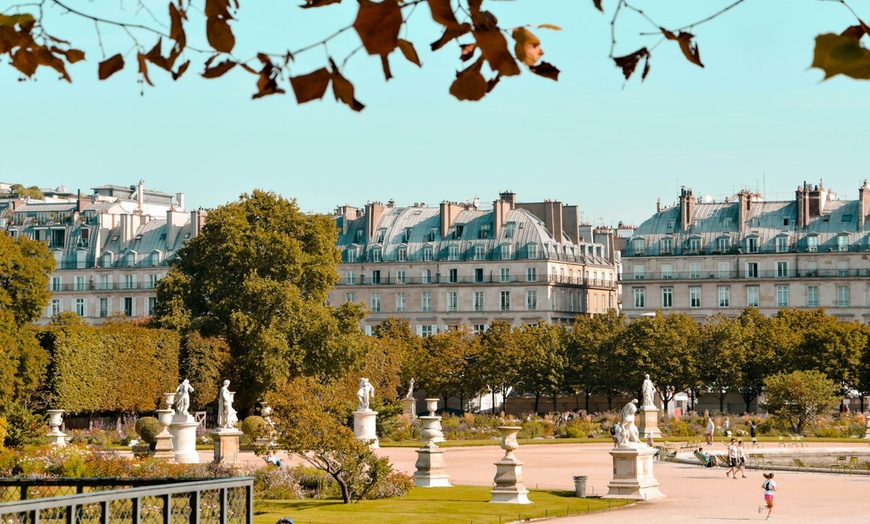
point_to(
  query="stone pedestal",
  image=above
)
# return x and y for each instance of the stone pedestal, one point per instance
(432, 407)
(431, 470)
(509, 487)
(649, 422)
(867, 426)
(55, 420)
(226, 446)
(633, 474)
(183, 431)
(163, 440)
(409, 408)
(364, 427)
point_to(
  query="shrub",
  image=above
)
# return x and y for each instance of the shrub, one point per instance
(148, 428)
(535, 428)
(255, 427)
(395, 484)
(578, 428)
(24, 427)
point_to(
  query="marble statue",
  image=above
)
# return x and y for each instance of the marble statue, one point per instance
(226, 414)
(630, 433)
(648, 391)
(365, 393)
(410, 393)
(182, 398)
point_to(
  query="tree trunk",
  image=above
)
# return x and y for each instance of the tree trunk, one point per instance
(492, 410)
(345, 491)
(588, 396)
(537, 400)
(554, 401)
(722, 402)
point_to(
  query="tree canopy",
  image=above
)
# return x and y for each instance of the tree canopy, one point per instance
(203, 34)
(799, 397)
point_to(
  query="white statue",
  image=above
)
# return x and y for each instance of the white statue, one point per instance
(226, 414)
(629, 430)
(365, 393)
(648, 391)
(410, 393)
(182, 397)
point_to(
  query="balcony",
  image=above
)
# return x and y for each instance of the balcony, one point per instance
(753, 275)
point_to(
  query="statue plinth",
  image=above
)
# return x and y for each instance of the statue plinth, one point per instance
(633, 473)
(431, 470)
(409, 408)
(649, 422)
(509, 487)
(867, 426)
(226, 446)
(163, 440)
(365, 427)
(183, 431)
(55, 420)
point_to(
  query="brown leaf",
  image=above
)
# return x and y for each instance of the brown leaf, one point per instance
(407, 49)
(110, 66)
(218, 70)
(546, 69)
(215, 8)
(267, 84)
(385, 63)
(598, 5)
(343, 89)
(378, 25)
(155, 57)
(629, 62)
(450, 34)
(527, 46)
(319, 3)
(492, 82)
(469, 83)
(13, 20)
(466, 51)
(25, 61)
(248, 68)
(311, 86)
(855, 31)
(690, 50)
(46, 57)
(220, 35)
(442, 13)
(143, 68)
(74, 55)
(181, 69)
(494, 48)
(176, 29)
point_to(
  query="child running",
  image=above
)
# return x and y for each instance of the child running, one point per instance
(769, 487)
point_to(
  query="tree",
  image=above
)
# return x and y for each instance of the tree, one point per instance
(799, 397)
(390, 363)
(449, 365)
(597, 356)
(500, 355)
(25, 267)
(766, 339)
(721, 355)
(204, 362)
(258, 275)
(30, 39)
(543, 362)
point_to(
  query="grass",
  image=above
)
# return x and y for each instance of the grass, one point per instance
(456, 505)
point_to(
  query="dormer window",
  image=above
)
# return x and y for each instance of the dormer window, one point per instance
(667, 245)
(812, 243)
(457, 233)
(509, 229)
(427, 253)
(752, 244)
(723, 243)
(533, 251)
(376, 255)
(637, 246)
(351, 254)
(483, 234)
(843, 242)
(506, 252)
(478, 252)
(358, 236)
(402, 254)
(452, 252)
(382, 232)
(406, 235)
(781, 244)
(433, 234)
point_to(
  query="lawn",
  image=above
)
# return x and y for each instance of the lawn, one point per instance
(456, 505)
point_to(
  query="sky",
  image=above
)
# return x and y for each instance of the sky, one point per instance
(755, 117)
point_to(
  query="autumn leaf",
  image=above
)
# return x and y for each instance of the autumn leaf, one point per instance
(267, 83)
(110, 66)
(527, 46)
(74, 55)
(176, 29)
(311, 86)
(841, 55)
(219, 34)
(598, 5)
(215, 8)
(319, 3)
(628, 63)
(442, 13)
(13, 20)
(469, 83)
(143, 68)
(407, 49)
(343, 90)
(25, 61)
(545, 69)
(181, 69)
(385, 64)
(494, 48)
(378, 25)
(689, 49)
(550, 26)
(450, 34)
(466, 51)
(218, 70)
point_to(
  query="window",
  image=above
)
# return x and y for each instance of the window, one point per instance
(427, 253)
(506, 252)
(509, 230)
(638, 272)
(426, 301)
(358, 236)
(843, 268)
(433, 234)
(752, 245)
(453, 252)
(638, 294)
(752, 296)
(694, 297)
(846, 218)
(400, 276)
(426, 276)
(104, 307)
(478, 300)
(457, 233)
(531, 274)
(752, 270)
(452, 301)
(56, 283)
(723, 270)
(426, 331)
(504, 274)
(152, 280)
(782, 269)
(667, 297)
(483, 234)
(478, 252)
(129, 281)
(406, 235)
(479, 328)
(128, 306)
(695, 244)
(478, 274)
(723, 243)
(349, 279)
(842, 296)
(781, 244)
(400, 302)
(533, 251)
(812, 296)
(376, 255)
(106, 282)
(152, 301)
(56, 307)
(382, 232)
(402, 254)
(349, 297)
(781, 296)
(637, 246)
(812, 243)
(666, 245)
(351, 255)
(842, 243)
(531, 300)
(505, 301)
(694, 270)
(376, 303)
(376, 276)
(724, 296)
(812, 269)
(79, 283)
(667, 271)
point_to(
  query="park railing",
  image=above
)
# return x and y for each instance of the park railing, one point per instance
(127, 501)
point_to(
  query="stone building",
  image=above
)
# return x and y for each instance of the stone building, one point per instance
(110, 247)
(701, 257)
(458, 264)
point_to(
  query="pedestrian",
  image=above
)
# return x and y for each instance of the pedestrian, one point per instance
(649, 438)
(753, 430)
(711, 427)
(769, 487)
(741, 459)
(733, 457)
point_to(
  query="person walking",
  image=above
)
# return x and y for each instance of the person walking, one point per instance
(711, 427)
(753, 430)
(733, 457)
(769, 487)
(741, 459)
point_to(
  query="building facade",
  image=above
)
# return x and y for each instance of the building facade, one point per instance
(701, 257)
(110, 248)
(457, 264)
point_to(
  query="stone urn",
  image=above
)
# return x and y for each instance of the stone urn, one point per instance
(55, 420)
(265, 410)
(431, 406)
(508, 440)
(169, 399)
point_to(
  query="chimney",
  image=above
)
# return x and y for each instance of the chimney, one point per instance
(816, 202)
(448, 213)
(179, 201)
(658, 205)
(744, 204)
(802, 206)
(140, 195)
(687, 208)
(374, 210)
(126, 228)
(571, 223)
(863, 205)
(506, 201)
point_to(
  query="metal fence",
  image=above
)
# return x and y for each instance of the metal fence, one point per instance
(127, 501)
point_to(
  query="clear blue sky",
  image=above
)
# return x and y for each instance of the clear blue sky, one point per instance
(756, 116)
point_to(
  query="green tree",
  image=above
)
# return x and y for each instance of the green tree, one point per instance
(765, 339)
(25, 267)
(722, 352)
(449, 365)
(20, 191)
(597, 356)
(390, 363)
(543, 361)
(204, 362)
(500, 355)
(258, 275)
(799, 397)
